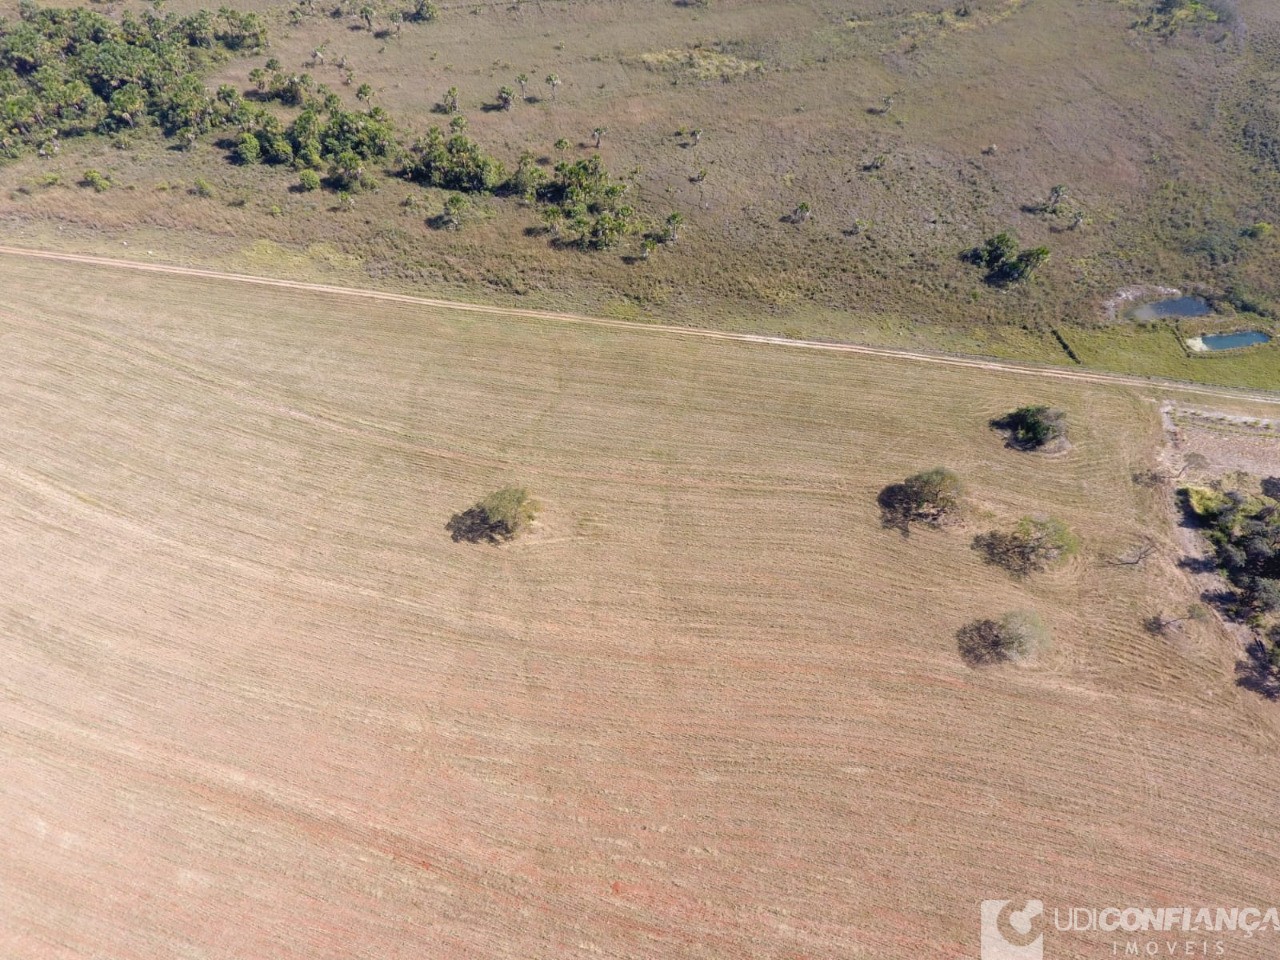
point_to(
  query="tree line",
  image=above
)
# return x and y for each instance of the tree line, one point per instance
(70, 72)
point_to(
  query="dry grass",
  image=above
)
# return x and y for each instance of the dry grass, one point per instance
(1146, 134)
(254, 702)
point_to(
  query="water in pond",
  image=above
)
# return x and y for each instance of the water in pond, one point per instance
(1230, 341)
(1178, 307)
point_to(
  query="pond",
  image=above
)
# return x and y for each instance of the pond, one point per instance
(1178, 307)
(1228, 341)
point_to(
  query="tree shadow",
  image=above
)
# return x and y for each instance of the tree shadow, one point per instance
(979, 645)
(1256, 671)
(896, 509)
(473, 526)
(1206, 564)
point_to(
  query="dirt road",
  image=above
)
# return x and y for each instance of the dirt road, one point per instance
(1005, 366)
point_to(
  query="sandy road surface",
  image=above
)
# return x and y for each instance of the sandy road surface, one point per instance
(1082, 376)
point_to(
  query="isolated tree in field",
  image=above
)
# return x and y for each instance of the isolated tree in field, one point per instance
(553, 81)
(697, 136)
(454, 208)
(598, 133)
(1015, 637)
(366, 14)
(801, 213)
(364, 93)
(1056, 196)
(450, 101)
(523, 80)
(501, 516)
(506, 97)
(999, 249)
(1035, 544)
(931, 497)
(1033, 427)
(647, 246)
(671, 227)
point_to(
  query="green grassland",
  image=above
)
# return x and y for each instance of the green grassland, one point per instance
(1162, 129)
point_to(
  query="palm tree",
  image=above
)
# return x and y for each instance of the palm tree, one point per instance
(453, 210)
(366, 14)
(450, 101)
(697, 136)
(553, 81)
(673, 224)
(552, 216)
(802, 213)
(1056, 196)
(506, 97)
(364, 92)
(646, 247)
(599, 133)
(523, 80)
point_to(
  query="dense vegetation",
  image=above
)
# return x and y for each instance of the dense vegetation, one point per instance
(1244, 528)
(1031, 428)
(1004, 262)
(68, 72)
(501, 516)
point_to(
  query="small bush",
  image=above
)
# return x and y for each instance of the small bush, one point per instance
(1031, 428)
(1017, 636)
(1035, 544)
(309, 180)
(203, 188)
(248, 150)
(931, 497)
(501, 516)
(1204, 502)
(1004, 263)
(100, 182)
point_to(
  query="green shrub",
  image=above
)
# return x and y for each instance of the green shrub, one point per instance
(100, 182)
(248, 150)
(309, 180)
(1205, 502)
(930, 497)
(501, 516)
(1031, 428)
